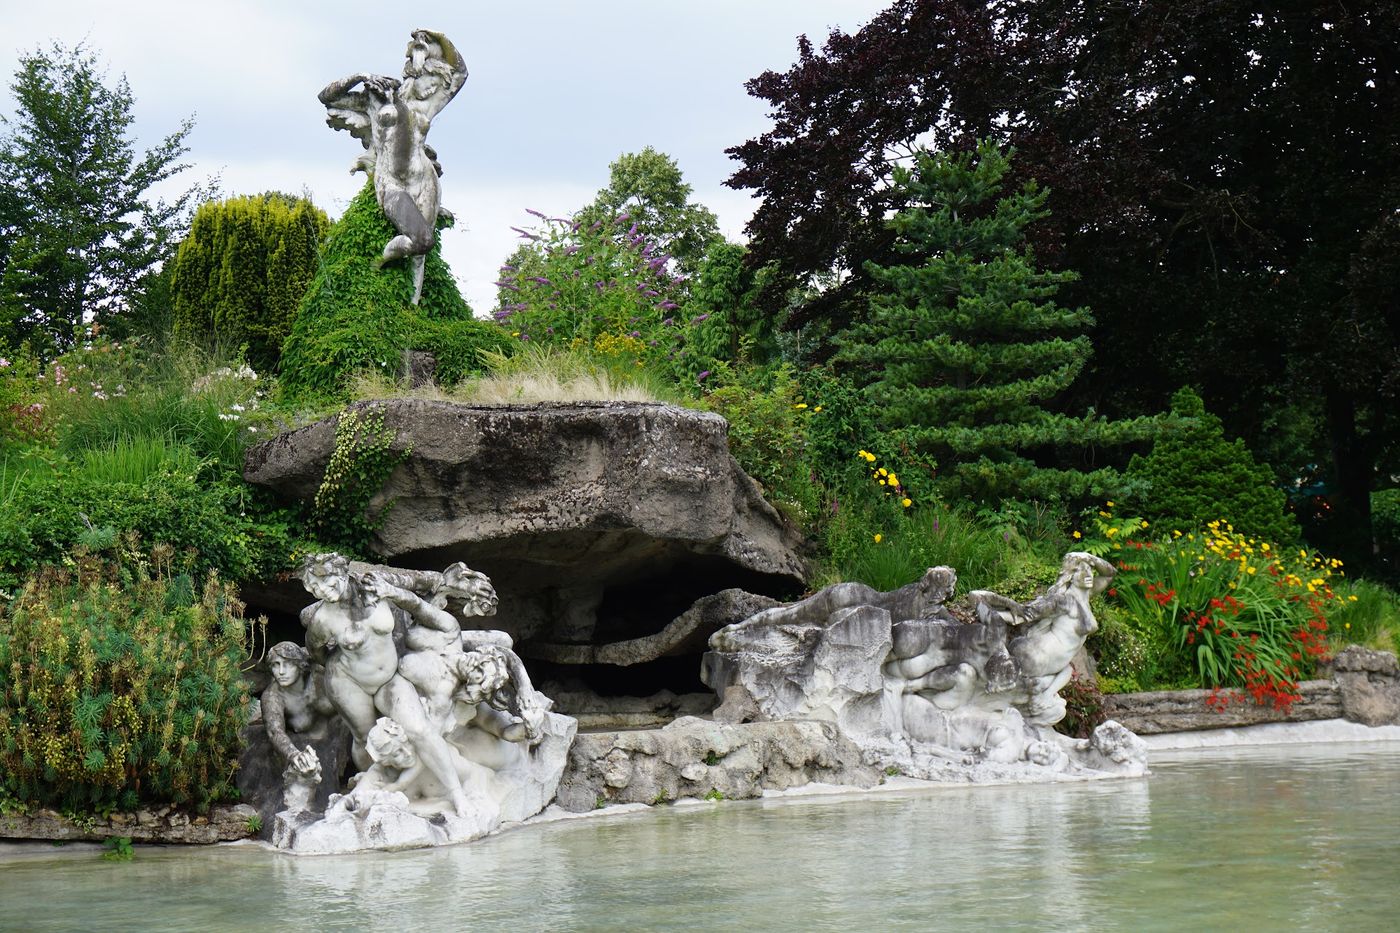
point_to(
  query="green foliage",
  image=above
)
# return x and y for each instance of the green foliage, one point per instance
(359, 466)
(254, 824)
(648, 187)
(355, 316)
(714, 794)
(964, 347)
(121, 688)
(1194, 476)
(238, 277)
(209, 522)
(1366, 614)
(577, 285)
(727, 323)
(1240, 612)
(118, 849)
(80, 232)
(768, 433)
(877, 541)
(1385, 519)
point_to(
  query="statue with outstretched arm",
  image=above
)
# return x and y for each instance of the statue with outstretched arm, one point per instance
(391, 118)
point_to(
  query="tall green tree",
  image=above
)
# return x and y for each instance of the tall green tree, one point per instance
(83, 230)
(239, 275)
(965, 347)
(648, 187)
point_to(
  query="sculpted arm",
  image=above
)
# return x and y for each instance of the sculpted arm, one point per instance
(274, 713)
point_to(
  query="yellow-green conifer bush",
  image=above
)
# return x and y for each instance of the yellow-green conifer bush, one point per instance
(120, 687)
(239, 276)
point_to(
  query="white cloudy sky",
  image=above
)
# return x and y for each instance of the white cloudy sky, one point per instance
(558, 90)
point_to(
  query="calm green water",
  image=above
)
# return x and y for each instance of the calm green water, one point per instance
(1257, 839)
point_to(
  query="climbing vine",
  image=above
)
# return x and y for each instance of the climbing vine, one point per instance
(359, 466)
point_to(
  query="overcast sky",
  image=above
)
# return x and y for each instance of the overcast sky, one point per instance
(557, 91)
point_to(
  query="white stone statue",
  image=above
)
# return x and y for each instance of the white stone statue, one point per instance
(941, 692)
(391, 118)
(449, 736)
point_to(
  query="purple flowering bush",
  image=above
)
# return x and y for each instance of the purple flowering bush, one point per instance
(599, 286)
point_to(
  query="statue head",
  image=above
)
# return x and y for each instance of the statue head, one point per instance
(429, 63)
(389, 745)
(473, 588)
(288, 662)
(482, 673)
(1082, 570)
(326, 576)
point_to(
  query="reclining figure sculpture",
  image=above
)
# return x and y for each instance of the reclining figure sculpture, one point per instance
(920, 687)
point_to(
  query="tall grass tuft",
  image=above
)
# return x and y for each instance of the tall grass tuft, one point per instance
(534, 374)
(132, 459)
(1367, 614)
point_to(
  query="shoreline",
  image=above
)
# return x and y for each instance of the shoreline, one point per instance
(1174, 745)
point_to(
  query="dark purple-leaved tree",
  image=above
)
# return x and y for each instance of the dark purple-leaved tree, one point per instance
(1223, 176)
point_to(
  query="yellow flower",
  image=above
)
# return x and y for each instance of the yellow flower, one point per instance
(1176, 534)
(1109, 504)
(1076, 536)
(879, 537)
(800, 405)
(1251, 570)
(908, 502)
(818, 408)
(1348, 625)
(1104, 514)
(894, 480)
(1111, 532)
(861, 454)
(1353, 599)
(1144, 523)
(884, 472)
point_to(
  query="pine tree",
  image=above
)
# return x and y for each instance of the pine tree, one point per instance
(238, 277)
(966, 347)
(1196, 476)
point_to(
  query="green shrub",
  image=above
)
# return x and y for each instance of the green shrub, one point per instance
(355, 316)
(1197, 476)
(1385, 524)
(211, 523)
(768, 434)
(121, 688)
(238, 276)
(359, 466)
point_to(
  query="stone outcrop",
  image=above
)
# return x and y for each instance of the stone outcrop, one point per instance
(599, 523)
(688, 633)
(164, 825)
(695, 758)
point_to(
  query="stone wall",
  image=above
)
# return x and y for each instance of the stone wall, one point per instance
(1363, 686)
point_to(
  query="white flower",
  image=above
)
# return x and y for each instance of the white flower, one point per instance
(235, 407)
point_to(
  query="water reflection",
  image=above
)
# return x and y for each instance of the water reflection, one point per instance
(1268, 838)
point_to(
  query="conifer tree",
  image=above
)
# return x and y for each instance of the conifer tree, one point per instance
(1196, 476)
(966, 347)
(238, 277)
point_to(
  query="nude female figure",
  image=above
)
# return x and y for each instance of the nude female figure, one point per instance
(350, 628)
(391, 117)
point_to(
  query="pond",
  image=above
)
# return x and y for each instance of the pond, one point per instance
(1258, 838)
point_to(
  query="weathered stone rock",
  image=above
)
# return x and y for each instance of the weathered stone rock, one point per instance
(694, 757)
(172, 827)
(687, 634)
(1185, 710)
(602, 714)
(1369, 682)
(598, 522)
